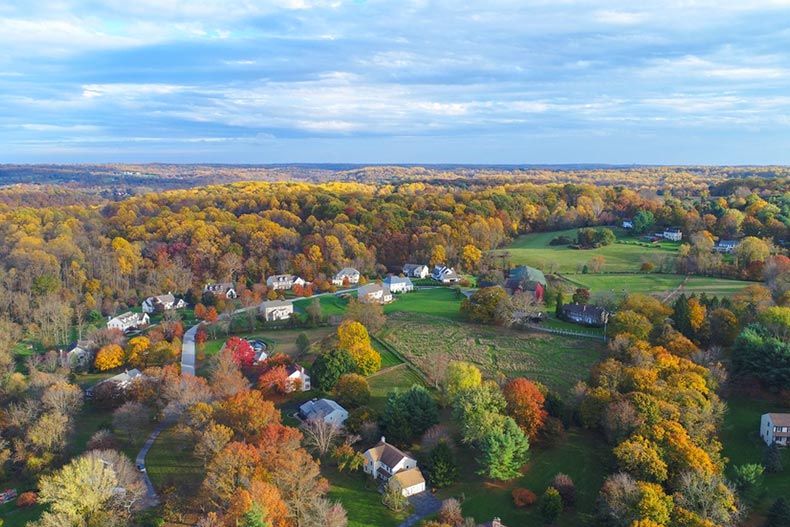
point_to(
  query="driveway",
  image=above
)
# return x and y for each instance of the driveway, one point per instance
(425, 504)
(151, 499)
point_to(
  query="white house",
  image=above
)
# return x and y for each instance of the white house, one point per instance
(775, 428)
(673, 234)
(121, 381)
(385, 462)
(80, 356)
(276, 310)
(128, 321)
(416, 270)
(325, 409)
(725, 246)
(346, 274)
(297, 374)
(396, 284)
(374, 294)
(444, 274)
(628, 224)
(162, 303)
(284, 281)
(225, 289)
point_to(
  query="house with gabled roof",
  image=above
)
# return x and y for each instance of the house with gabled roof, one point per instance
(386, 462)
(525, 278)
(162, 303)
(347, 275)
(284, 281)
(225, 289)
(775, 428)
(128, 321)
(374, 294)
(325, 409)
(587, 314)
(396, 284)
(296, 376)
(416, 270)
(276, 310)
(445, 275)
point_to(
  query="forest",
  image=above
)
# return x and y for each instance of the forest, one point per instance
(74, 256)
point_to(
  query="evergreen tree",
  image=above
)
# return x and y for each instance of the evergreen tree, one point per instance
(682, 316)
(504, 451)
(772, 459)
(558, 307)
(778, 515)
(329, 367)
(442, 469)
(551, 505)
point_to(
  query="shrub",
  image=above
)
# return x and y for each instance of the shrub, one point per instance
(561, 240)
(27, 499)
(564, 485)
(523, 497)
(551, 505)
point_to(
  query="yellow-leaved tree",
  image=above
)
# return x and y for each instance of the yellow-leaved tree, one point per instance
(109, 357)
(354, 338)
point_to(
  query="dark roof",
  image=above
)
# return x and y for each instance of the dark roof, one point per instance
(584, 309)
(387, 454)
(525, 274)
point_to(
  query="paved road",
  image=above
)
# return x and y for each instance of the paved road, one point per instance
(425, 504)
(188, 351)
(151, 499)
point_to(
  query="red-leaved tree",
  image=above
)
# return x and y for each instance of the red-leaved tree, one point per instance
(525, 405)
(243, 354)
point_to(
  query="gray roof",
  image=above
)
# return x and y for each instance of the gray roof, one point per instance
(322, 407)
(276, 303)
(391, 279)
(524, 273)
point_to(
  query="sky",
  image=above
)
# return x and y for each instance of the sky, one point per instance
(406, 81)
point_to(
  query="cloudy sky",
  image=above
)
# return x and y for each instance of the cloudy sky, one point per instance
(406, 81)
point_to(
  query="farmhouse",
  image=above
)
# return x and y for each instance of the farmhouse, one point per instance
(162, 303)
(121, 381)
(444, 274)
(297, 378)
(725, 246)
(775, 428)
(347, 275)
(284, 281)
(525, 278)
(396, 284)
(385, 462)
(225, 289)
(374, 294)
(673, 234)
(80, 355)
(416, 270)
(586, 314)
(325, 409)
(276, 310)
(128, 321)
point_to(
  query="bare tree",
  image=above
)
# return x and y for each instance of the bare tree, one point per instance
(320, 435)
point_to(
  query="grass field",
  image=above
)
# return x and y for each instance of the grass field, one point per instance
(582, 456)
(439, 301)
(330, 304)
(655, 283)
(398, 378)
(359, 496)
(534, 250)
(558, 362)
(170, 461)
(742, 444)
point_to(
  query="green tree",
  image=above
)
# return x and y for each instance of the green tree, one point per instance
(352, 390)
(550, 505)
(461, 376)
(329, 367)
(504, 451)
(748, 476)
(393, 498)
(302, 342)
(441, 469)
(643, 221)
(485, 306)
(779, 514)
(772, 459)
(558, 306)
(409, 414)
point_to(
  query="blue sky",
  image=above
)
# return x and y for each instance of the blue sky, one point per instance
(408, 81)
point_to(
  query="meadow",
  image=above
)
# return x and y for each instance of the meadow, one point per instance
(620, 284)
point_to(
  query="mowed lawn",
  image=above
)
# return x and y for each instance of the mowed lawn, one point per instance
(171, 462)
(399, 378)
(438, 301)
(582, 455)
(359, 496)
(534, 250)
(655, 284)
(330, 304)
(558, 362)
(742, 444)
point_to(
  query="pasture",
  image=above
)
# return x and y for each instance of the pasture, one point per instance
(438, 301)
(620, 284)
(558, 362)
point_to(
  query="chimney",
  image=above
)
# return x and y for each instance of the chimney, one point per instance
(496, 522)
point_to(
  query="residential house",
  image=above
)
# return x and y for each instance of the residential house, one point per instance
(259, 347)
(673, 234)
(586, 314)
(347, 275)
(525, 278)
(297, 376)
(725, 246)
(284, 281)
(496, 522)
(325, 409)
(276, 310)
(416, 270)
(128, 321)
(121, 381)
(80, 355)
(396, 284)
(384, 462)
(628, 224)
(162, 303)
(775, 428)
(445, 275)
(374, 294)
(225, 289)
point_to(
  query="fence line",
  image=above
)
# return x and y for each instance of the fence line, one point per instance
(407, 362)
(565, 332)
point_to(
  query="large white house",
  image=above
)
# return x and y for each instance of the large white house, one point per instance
(775, 428)
(396, 284)
(325, 409)
(162, 303)
(121, 381)
(416, 270)
(128, 321)
(276, 310)
(386, 462)
(297, 376)
(374, 294)
(346, 275)
(444, 274)
(284, 281)
(674, 234)
(225, 289)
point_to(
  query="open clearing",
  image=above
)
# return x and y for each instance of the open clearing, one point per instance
(558, 362)
(359, 496)
(437, 301)
(655, 284)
